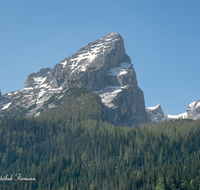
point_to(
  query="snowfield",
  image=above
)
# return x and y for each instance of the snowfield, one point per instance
(180, 116)
(110, 92)
(122, 69)
(6, 106)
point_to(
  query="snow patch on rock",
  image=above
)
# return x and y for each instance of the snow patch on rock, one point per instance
(6, 106)
(122, 69)
(110, 92)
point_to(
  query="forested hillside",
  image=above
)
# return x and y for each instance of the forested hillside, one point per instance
(73, 147)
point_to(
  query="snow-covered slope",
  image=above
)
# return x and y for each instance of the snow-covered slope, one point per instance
(90, 55)
(111, 91)
(180, 116)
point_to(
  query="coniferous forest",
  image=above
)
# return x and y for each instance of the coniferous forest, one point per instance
(73, 147)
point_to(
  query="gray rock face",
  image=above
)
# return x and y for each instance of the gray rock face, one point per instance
(113, 55)
(155, 113)
(102, 66)
(193, 110)
(129, 109)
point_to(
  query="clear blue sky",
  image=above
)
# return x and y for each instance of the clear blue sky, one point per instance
(162, 38)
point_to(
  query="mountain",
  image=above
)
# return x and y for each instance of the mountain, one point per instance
(102, 66)
(155, 113)
(193, 112)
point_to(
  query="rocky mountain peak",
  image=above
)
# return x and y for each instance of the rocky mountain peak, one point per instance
(102, 66)
(155, 113)
(91, 57)
(193, 110)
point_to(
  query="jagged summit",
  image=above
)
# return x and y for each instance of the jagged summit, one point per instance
(102, 66)
(193, 110)
(155, 113)
(90, 57)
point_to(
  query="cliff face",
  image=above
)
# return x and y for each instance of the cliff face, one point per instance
(129, 109)
(102, 66)
(108, 56)
(115, 81)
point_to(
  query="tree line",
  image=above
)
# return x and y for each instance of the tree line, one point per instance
(73, 147)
